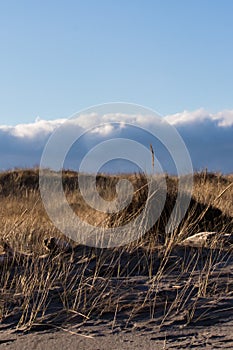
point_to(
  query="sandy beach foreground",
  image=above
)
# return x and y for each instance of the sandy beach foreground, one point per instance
(219, 336)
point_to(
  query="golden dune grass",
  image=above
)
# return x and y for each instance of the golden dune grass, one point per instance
(155, 277)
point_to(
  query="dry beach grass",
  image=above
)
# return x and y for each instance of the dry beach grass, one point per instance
(159, 281)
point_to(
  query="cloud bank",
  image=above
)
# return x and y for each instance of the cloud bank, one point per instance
(208, 138)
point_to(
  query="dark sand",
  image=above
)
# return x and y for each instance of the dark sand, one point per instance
(219, 336)
(210, 327)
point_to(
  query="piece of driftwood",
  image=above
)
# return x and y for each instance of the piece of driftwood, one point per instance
(209, 240)
(53, 246)
(6, 252)
(57, 245)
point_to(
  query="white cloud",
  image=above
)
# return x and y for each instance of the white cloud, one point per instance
(33, 130)
(208, 137)
(224, 118)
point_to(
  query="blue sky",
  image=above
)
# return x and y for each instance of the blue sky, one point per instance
(58, 57)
